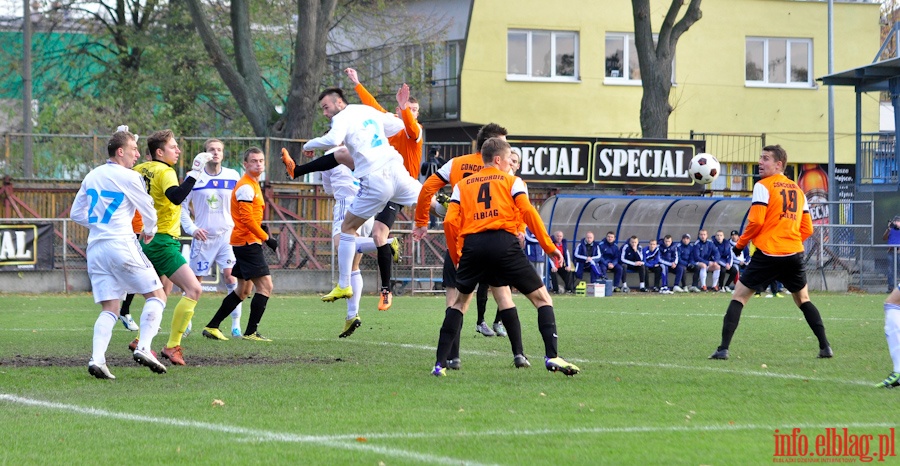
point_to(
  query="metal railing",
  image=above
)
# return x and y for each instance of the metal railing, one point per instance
(301, 244)
(877, 163)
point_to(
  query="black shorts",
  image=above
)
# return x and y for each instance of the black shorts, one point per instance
(449, 271)
(388, 215)
(495, 257)
(249, 262)
(764, 269)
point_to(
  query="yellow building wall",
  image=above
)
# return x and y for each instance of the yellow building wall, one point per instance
(709, 95)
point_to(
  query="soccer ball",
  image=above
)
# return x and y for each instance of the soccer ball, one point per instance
(704, 168)
(439, 205)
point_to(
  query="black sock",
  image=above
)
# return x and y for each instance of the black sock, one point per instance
(730, 323)
(257, 308)
(510, 318)
(228, 304)
(126, 305)
(321, 164)
(449, 330)
(454, 348)
(497, 316)
(814, 319)
(547, 326)
(481, 297)
(384, 265)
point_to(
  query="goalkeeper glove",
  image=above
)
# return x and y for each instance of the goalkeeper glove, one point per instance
(737, 251)
(288, 162)
(199, 162)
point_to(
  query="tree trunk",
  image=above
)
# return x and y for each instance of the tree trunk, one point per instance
(248, 91)
(655, 58)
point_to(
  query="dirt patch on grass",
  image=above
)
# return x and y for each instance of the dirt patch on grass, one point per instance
(196, 361)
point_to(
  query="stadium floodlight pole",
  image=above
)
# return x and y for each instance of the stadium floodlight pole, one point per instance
(832, 192)
(27, 160)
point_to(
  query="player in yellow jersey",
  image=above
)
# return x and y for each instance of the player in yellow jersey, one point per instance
(250, 268)
(164, 251)
(778, 223)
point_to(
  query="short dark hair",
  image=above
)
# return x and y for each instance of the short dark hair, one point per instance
(412, 100)
(778, 153)
(210, 141)
(252, 150)
(490, 130)
(118, 140)
(331, 91)
(492, 147)
(157, 140)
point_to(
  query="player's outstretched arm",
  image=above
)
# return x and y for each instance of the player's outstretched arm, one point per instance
(432, 185)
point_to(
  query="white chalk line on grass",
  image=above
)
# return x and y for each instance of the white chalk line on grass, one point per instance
(351, 441)
(260, 435)
(640, 364)
(615, 430)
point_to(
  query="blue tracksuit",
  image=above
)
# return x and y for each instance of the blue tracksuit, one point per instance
(686, 262)
(668, 256)
(588, 256)
(609, 254)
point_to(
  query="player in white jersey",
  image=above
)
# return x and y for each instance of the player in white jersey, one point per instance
(378, 166)
(210, 201)
(340, 183)
(105, 204)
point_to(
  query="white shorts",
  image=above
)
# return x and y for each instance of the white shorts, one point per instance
(340, 209)
(389, 183)
(118, 267)
(215, 250)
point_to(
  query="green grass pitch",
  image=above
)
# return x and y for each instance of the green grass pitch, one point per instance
(646, 394)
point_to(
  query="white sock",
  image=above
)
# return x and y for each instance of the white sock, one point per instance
(641, 285)
(892, 332)
(702, 277)
(346, 253)
(716, 274)
(151, 315)
(236, 313)
(102, 334)
(356, 281)
(365, 245)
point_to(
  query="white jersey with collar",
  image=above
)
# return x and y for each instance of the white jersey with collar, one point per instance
(107, 200)
(211, 199)
(364, 131)
(340, 182)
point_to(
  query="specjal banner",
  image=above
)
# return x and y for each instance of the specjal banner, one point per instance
(26, 247)
(599, 161)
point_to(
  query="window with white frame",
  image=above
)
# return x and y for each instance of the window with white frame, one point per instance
(542, 55)
(622, 64)
(778, 62)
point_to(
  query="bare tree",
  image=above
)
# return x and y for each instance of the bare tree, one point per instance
(242, 74)
(655, 59)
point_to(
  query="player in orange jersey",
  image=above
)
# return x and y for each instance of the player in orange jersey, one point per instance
(482, 226)
(778, 223)
(247, 238)
(451, 173)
